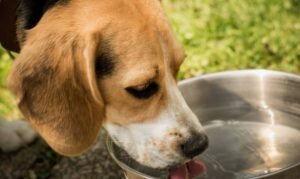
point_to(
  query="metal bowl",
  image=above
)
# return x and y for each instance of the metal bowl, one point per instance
(252, 119)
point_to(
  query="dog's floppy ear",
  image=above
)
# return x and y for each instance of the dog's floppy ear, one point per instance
(54, 80)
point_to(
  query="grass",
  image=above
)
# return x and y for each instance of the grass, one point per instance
(8, 107)
(230, 34)
(221, 35)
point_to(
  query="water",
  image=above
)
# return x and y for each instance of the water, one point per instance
(247, 149)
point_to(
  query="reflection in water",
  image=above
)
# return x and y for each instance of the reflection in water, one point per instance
(270, 145)
(263, 103)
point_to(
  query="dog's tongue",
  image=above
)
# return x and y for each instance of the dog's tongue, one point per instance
(187, 171)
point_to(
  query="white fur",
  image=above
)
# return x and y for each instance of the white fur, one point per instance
(15, 134)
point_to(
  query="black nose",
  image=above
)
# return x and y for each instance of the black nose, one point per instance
(195, 145)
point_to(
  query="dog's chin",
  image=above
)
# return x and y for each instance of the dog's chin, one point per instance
(163, 165)
(154, 161)
(159, 166)
(160, 162)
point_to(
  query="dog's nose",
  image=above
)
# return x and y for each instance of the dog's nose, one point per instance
(195, 145)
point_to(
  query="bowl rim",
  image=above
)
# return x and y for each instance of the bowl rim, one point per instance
(240, 72)
(124, 166)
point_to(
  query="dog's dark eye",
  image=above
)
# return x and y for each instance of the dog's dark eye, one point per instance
(143, 91)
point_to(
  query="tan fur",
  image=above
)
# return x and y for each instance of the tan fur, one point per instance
(54, 75)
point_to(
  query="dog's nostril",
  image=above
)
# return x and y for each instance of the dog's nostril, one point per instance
(195, 145)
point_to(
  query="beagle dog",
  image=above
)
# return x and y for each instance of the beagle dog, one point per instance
(87, 64)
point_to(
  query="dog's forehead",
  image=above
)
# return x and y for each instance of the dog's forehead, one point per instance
(136, 30)
(104, 11)
(135, 41)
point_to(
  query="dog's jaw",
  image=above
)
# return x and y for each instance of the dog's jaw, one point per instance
(144, 142)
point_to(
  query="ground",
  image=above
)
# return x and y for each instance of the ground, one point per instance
(218, 35)
(37, 160)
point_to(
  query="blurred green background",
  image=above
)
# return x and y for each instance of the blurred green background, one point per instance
(220, 35)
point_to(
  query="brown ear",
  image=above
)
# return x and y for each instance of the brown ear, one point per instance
(54, 80)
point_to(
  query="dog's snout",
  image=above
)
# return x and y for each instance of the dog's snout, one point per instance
(195, 145)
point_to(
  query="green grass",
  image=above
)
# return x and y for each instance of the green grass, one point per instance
(222, 35)
(230, 34)
(7, 101)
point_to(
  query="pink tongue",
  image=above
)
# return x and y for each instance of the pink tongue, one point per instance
(180, 172)
(187, 171)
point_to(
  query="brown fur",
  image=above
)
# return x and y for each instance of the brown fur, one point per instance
(54, 76)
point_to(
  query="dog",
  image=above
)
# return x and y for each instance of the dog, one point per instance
(88, 64)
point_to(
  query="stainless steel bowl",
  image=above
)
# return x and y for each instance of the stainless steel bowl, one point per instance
(252, 118)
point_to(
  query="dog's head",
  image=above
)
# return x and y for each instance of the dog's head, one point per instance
(111, 63)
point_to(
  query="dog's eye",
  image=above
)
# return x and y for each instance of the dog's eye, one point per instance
(143, 91)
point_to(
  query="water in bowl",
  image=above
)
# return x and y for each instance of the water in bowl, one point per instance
(253, 145)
